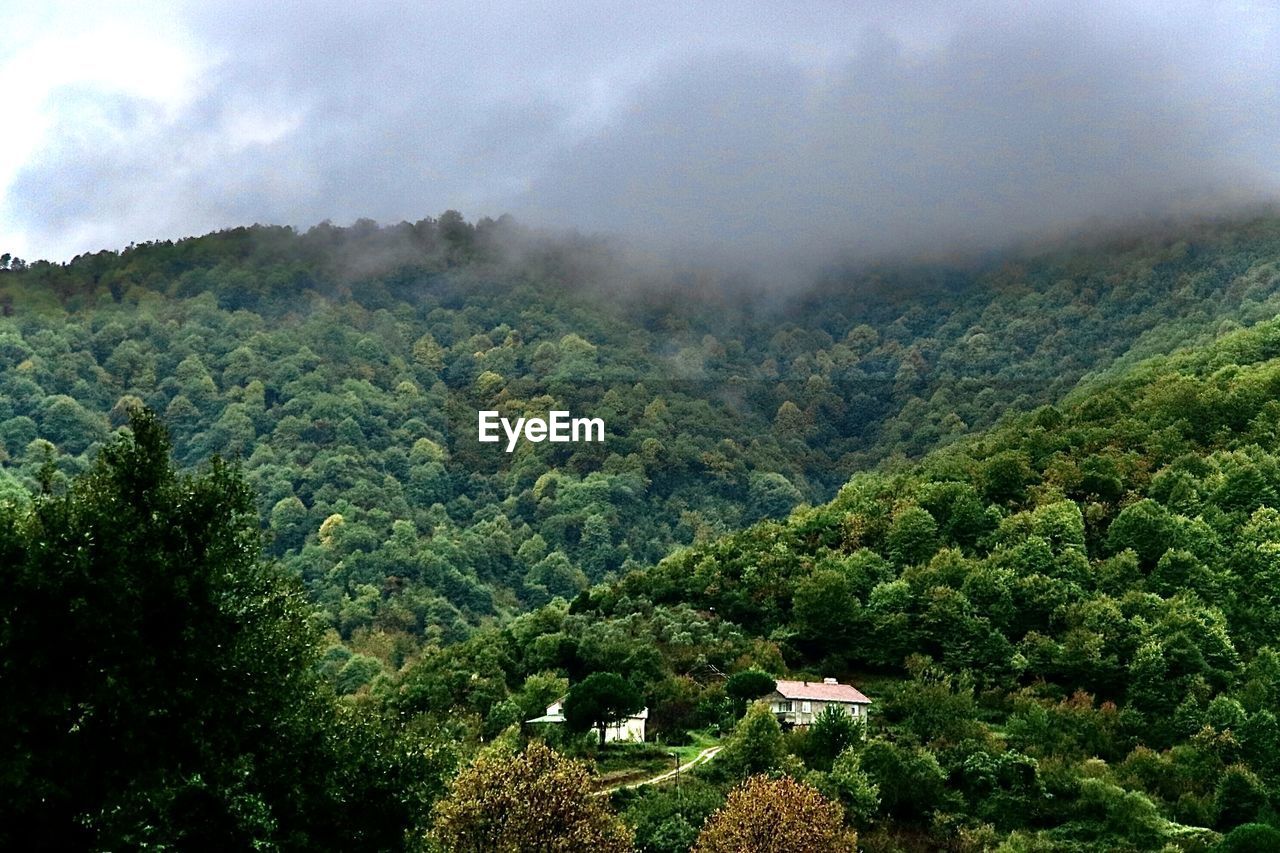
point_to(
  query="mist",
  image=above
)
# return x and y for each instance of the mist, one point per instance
(751, 137)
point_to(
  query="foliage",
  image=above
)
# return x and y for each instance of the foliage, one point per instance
(159, 677)
(776, 814)
(832, 731)
(755, 746)
(749, 685)
(1042, 674)
(911, 782)
(344, 368)
(1250, 837)
(667, 820)
(600, 700)
(534, 800)
(857, 793)
(1060, 594)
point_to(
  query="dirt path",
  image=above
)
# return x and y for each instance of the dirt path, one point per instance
(701, 758)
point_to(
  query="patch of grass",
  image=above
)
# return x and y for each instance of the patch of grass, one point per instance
(627, 757)
(630, 762)
(699, 741)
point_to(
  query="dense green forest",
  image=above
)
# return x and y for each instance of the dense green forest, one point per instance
(343, 368)
(1069, 622)
(1059, 593)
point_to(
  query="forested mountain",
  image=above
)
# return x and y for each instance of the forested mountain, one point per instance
(344, 368)
(1069, 621)
(1059, 594)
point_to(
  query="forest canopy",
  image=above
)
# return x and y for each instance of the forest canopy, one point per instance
(343, 368)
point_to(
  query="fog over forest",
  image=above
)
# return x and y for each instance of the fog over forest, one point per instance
(748, 132)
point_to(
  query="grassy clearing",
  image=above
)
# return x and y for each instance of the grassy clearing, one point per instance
(619, 763)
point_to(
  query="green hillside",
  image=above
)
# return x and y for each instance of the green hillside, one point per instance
(1068, 624)
(344, 368)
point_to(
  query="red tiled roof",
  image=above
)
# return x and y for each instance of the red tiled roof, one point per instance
(822, 692)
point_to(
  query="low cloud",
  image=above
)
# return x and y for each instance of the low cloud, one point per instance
(811, 132)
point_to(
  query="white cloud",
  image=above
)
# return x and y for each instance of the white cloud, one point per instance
(756, 125)
(138, 50)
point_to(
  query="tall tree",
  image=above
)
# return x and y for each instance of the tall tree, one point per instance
(755, 746)
(600, 700)
(749, 685)
(159, 676)
(833, 731)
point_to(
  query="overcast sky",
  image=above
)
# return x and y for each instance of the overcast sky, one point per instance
(763, 128)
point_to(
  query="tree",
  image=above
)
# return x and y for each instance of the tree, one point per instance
(596, 546)
(1250, 838)
(755, 746)
(1061, 524)
(776, 814)
(1240, 797)
(67, 424)
(666, 820)
(833, 731)
(534, 800)
(771, 495)
(1113, 811)
(912, 537)
(749, 685)
(790, 423)
(859, 795)
(428, 353)
(288, 523)
(1146, 528)
(1005, 475)
(934, 704)
(554, 575)
(600, 700)
(1150, 687)
(161, 679)
(358, 671)
(826, 610)
(910, 780)
(540, 690)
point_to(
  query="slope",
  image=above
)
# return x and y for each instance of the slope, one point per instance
(344, 367)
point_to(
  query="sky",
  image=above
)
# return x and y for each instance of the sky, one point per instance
(753, 130)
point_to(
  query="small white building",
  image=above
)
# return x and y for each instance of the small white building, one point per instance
(797, 703)
(629, 730)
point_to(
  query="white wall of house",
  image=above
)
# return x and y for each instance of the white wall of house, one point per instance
(630, 729)
(802, 712)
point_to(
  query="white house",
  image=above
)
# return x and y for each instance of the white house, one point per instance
(630, 729)
(796, 703)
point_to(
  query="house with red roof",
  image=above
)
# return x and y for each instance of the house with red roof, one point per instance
(797, 703)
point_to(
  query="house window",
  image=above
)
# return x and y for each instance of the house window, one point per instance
(806, 707)
(783, 707)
